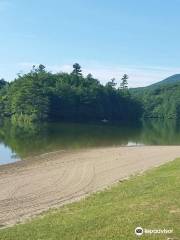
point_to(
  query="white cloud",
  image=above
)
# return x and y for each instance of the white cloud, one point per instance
(60, 68)
(26, 64)
(138, 75)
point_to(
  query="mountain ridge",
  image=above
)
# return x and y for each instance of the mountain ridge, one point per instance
(161, 99)
(175, 78)
(171, 80)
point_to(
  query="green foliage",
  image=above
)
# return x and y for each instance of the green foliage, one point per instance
(26, 98)
(172, 79)
(77, 69)
(160, 100)
(124, 83)
(41, 95)
(3, 83)
(3, 96)
(112, 83)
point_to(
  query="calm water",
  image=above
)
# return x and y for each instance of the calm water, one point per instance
(18, 142)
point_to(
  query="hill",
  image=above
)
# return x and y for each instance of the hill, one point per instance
(174, 79)
(170, 80)
(162, 99)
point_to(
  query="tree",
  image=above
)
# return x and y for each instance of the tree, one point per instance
(40, 95)
(89, 76)
(112, 83)
(41, 68)
(77, 69)
(3, 83)
(124, 82)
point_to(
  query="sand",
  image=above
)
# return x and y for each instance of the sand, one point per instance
(31, 186)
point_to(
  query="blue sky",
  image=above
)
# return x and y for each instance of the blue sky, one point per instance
(107, 37)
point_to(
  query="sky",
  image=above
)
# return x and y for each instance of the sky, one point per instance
(106, 37)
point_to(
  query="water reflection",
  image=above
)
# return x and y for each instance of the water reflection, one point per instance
(19, 141)
(6, 155)
(160, 132)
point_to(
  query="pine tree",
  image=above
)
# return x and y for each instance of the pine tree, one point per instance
(124, 82)
(77, 69)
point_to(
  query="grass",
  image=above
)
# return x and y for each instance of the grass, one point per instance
(151, 201)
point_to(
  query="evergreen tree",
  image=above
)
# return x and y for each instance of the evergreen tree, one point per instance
(124, 82)
(77, 69)
(41, 95)
(3, 83)
(41, 68)
(112, 83)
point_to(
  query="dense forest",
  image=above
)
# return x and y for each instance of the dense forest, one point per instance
(41, 95)
(160, 100)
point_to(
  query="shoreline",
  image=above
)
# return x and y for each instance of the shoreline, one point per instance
(33, 159)
(30, 187)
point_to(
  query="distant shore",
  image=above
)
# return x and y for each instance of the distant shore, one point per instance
(28, 188)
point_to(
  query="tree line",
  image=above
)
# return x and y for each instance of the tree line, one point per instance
(160, 101)
(41, 95)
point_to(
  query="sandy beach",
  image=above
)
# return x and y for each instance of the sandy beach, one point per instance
(31, 186)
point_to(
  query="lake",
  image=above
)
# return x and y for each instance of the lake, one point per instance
(19, 142)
